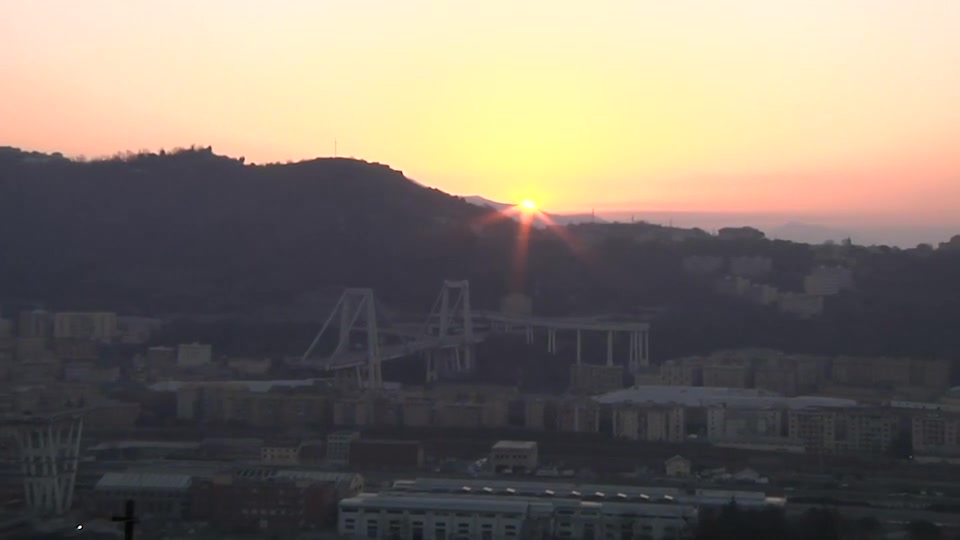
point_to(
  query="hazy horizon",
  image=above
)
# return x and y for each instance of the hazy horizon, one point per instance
(793, 108)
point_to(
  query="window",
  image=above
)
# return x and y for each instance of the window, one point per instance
(372, 529)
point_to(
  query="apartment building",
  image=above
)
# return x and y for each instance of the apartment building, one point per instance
(727, 375)
(852, 431)
(936, 433)
(92, 326)
(681, 372)
(742, 424)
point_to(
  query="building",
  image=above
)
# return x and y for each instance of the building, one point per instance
(727, 375)
(505, 515)
(595, 379)
(677, 466)
(157, 495)
(241, 503)
(846, 431)
(936, 433)
(744, 424)
(338, 445)
(514, 456)
(681, 372)
(194, 355)
(90, 326)
(280, 453)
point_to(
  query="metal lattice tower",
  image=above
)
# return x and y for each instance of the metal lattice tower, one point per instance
(357, 312)
(49, 448)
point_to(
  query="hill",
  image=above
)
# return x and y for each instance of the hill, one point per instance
(193, 231)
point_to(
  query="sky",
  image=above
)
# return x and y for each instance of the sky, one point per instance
(825, 107)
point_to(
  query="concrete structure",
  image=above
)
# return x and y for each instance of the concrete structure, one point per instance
(48, 448)
(385, 454)
(157, 495)
(727, 375)
(448, 338)
(490, 517)
(514, 456)
(702, 396)
(936, 433)
(744, 424)
(851, 431)
(241, 503)
(194, 355)
(338, 445)
(91, 326)
(280, 453)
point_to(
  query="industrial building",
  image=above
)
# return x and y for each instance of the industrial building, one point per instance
(506, 515)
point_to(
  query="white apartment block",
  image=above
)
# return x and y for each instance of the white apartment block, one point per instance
(92, 326)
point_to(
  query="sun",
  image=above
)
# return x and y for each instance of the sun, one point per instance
(528, 205)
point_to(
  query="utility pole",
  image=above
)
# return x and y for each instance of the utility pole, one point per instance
(128, 519)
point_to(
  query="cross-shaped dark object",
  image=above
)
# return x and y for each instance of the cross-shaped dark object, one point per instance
(128, 519)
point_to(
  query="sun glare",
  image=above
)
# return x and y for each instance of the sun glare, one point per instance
(528, 205)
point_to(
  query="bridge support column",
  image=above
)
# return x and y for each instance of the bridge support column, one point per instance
(432, 375)
(635, 352)
(610, 347)
(645, 357)
(528, 334)
(552, 340)
(579, 361)
(49, 450)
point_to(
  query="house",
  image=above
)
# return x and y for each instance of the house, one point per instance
(677, 466)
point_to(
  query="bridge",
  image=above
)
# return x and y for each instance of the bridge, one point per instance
(448, 335)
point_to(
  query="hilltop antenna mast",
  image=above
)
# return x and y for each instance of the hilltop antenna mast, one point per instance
(334, 147)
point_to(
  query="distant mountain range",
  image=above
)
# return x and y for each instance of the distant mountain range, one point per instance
(541, 219)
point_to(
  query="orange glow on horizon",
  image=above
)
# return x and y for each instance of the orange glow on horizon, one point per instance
(738, 106)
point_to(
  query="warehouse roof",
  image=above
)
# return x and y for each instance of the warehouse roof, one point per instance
(705, 396)
(147, 481)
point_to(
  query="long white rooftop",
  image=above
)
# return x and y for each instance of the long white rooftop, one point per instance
(705, 396)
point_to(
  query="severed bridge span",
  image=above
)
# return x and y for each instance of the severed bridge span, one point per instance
(447, 337)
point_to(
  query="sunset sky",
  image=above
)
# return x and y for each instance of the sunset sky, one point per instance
(826, 106)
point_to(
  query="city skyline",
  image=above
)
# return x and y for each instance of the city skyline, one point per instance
(813, 108)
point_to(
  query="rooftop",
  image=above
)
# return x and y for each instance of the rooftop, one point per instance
(132, 480)
(567, 490)
(705, 396)
(515, 445)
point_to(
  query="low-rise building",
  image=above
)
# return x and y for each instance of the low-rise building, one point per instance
(497, 516)
(280, 453)
(91, 326)
(677, 466)
(156, 495)
(514, 456)
(380, 454)
(595, 379)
